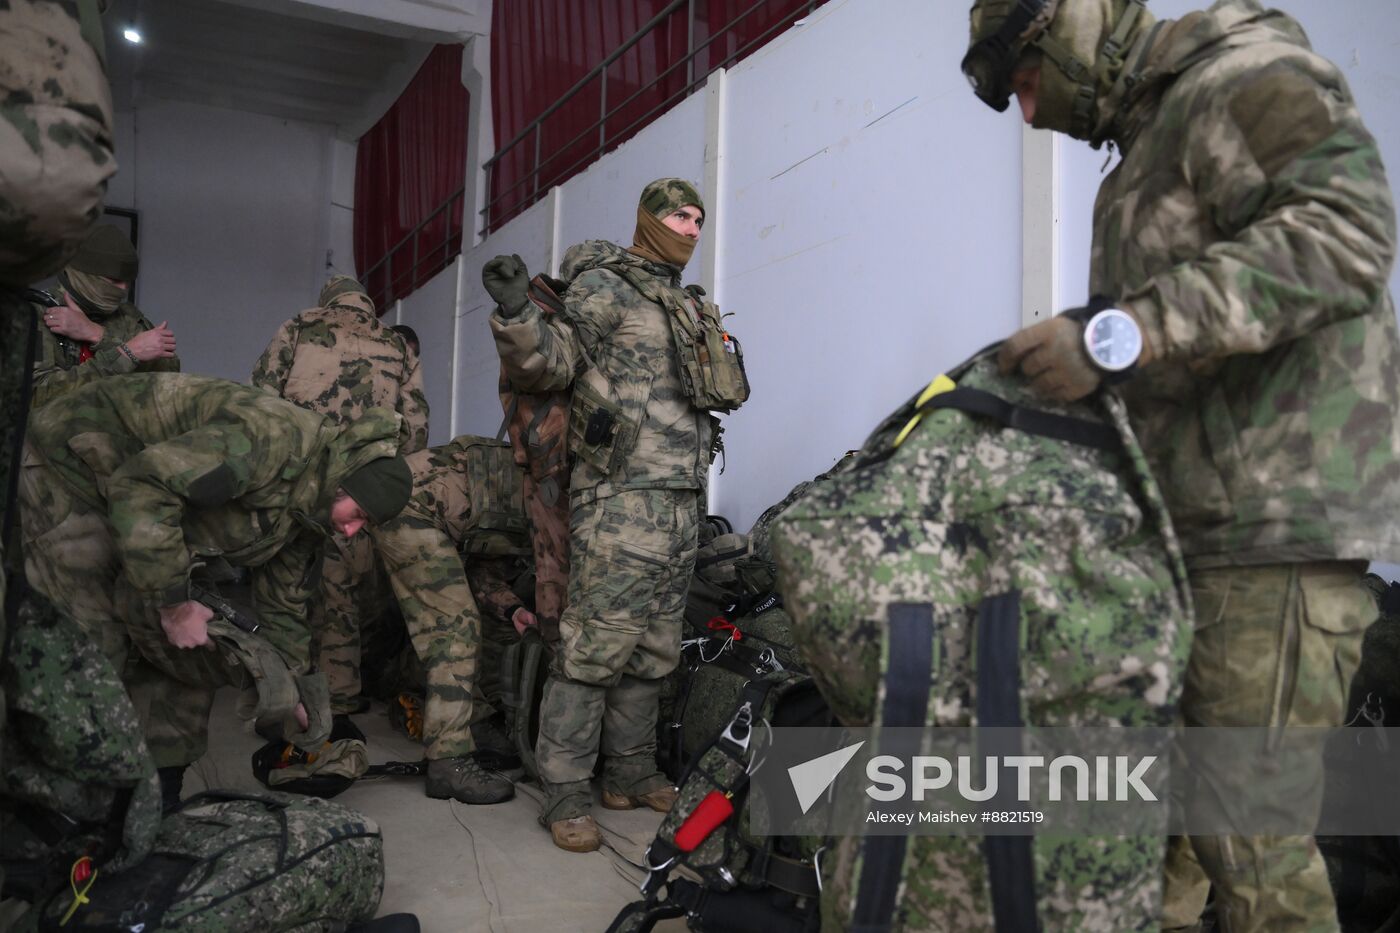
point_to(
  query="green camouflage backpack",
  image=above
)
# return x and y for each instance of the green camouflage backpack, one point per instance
(231, 861)
(495, 486)
(1015, 557)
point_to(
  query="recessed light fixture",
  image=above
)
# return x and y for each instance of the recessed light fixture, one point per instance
(132, 35)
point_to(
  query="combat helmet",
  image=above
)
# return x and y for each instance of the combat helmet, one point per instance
(1085, 40)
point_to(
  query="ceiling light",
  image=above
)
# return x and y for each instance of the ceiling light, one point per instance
(130, 34)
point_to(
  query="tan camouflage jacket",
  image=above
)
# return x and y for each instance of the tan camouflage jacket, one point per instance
(1250, 226)
(340, 361)
(56, 366)
(188, 467)
(625, 340)
(55, 134)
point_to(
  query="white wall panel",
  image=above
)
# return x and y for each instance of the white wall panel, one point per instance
(431, 311)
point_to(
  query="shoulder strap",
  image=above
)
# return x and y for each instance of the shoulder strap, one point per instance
(907, 685)
(1030, 420)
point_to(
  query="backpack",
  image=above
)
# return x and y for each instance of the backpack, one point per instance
(748, 883)
(497, 527)
(990, 559)
(236, 861)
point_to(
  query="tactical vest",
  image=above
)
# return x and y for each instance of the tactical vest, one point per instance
(989, 560)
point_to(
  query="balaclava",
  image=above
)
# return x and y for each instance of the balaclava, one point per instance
(106, 253)
(653, 239)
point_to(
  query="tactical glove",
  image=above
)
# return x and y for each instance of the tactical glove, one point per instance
(507, 281)
(1051, 355)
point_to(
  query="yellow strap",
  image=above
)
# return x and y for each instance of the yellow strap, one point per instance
(938, 386)
(84, 866)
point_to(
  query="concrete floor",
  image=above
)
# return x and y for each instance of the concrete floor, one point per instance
(463, 868)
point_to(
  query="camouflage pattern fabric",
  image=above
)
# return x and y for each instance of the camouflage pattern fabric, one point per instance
(620, 346)
(959, 511)
(72, 752)
(234, 861)
(538, 427)
(55, 134)
(1257, 627)
(340, 361)
(351, 590)
(57, 369)
(633, 554)
(1250, 227)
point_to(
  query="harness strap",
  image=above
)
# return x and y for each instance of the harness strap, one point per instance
(908, 677)
(1030, 420)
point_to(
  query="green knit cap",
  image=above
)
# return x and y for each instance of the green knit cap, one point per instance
(338, 285)
(665, 195)
(107, 251)
(380, 487)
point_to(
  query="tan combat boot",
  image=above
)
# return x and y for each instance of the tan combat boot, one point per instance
(661, 800)
(579, 834)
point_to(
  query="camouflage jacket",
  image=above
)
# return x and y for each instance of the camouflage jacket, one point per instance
(56, 366)
(55, 134)
(189, 467)
(1251, 228)
(440, 487)
(612, 330)
(341, 361)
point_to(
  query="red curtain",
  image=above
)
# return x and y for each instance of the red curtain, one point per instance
(541, 48)
(410, 168)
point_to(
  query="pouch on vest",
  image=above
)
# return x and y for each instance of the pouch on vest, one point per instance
(600, 433)
(711, 360)
(496, 494)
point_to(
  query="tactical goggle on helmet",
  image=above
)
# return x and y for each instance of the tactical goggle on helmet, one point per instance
(991, 60)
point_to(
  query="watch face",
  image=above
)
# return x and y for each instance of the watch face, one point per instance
(1113, 340)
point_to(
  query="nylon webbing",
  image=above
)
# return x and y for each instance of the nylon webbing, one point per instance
(1010, 859)
(907, 680)
(1030, 420)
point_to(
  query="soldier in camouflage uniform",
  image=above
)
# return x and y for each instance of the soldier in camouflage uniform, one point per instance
(337, 359)
(1248, 234)
(419, 551)
(90, 329)
(55, 158)
(643, 453)
(129, 484)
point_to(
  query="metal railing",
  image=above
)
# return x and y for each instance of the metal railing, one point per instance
(530, 185)
(400, 272)
(389, 279)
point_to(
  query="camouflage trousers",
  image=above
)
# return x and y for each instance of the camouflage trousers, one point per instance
(443, 623)
(349, 585)
(71, 558)
(632, 555)
(1274, 646)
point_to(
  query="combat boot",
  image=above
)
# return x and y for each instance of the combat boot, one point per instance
(465, 780)
(661, 800)
(580, 834)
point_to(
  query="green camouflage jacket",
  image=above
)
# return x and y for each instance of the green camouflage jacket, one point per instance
(1251, 228)
(341, 361)
(55, 134)
(610, 333)
(188, 467)
(56, 367)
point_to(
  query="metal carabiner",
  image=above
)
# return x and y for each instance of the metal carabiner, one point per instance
(743, 719)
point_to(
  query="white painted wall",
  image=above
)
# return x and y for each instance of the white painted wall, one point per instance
(236, 221)
(431, 312)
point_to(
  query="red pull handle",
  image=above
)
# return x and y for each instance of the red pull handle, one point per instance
(712, 811)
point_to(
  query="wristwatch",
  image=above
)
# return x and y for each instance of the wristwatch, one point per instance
(1113, 341)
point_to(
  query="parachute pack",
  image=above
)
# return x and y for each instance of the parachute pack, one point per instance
(230, 860)
(990, 560)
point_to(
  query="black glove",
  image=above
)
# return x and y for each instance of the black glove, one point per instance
(508, 281)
